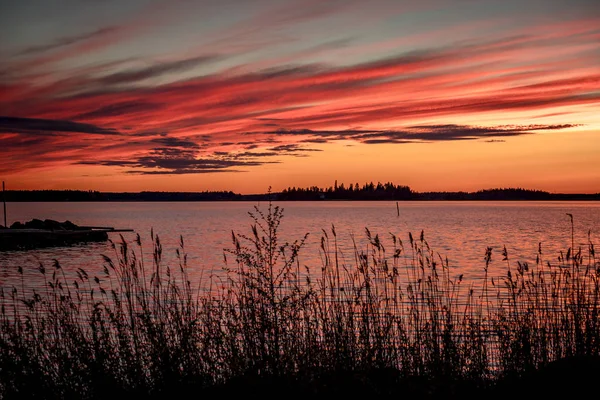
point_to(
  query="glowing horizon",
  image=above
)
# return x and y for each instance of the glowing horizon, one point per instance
(229, 95)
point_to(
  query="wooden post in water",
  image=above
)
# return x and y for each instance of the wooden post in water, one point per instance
(398, 208)
(4, 201)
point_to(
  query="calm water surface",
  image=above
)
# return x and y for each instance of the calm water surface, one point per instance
(460, 231)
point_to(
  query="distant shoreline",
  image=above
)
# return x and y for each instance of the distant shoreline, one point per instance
(372, 193)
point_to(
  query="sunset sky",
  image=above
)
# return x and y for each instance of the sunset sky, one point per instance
(120, 95)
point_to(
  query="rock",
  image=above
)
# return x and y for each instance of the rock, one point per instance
(68, 225)
(35, 224)
(17, 225)
(53, 225)
(48, 224)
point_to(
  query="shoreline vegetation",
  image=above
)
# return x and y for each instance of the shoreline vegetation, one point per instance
(396, 321)
(367, 191)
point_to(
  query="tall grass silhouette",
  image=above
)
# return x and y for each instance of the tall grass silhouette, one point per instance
(393, 320)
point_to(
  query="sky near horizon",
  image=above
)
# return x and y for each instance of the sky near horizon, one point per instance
(183, 95)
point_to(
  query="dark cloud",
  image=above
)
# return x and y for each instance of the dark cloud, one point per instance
(175, 142)
(204, 138)
(175, 161)
(321, 133)
(280, 150)
(22, 142)
(108, 163)
(38, 126)
(253, 154)
(148, 133)
(66, 41)
(167, 153)
(291, 148)
(182, 171)
(386, 141)
(315, 140)
(157, 69)
(417, 133)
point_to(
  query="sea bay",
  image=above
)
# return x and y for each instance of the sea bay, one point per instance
(460, 231)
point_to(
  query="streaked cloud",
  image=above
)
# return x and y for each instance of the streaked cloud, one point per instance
(156, 70)
(65, 41)
(416, 134)
(37, 126)
(264, 82)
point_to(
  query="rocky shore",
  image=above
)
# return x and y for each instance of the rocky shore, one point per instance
(48, 233)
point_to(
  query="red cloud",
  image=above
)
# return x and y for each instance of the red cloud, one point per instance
(535, 72)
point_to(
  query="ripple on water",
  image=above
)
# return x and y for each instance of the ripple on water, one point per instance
(460, 231)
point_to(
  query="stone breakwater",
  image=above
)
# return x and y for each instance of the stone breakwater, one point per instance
(48, 233)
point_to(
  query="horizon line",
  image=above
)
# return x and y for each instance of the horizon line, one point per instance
(301, 188)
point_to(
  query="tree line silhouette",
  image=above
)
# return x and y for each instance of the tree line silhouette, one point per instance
(368, 191)
(356, 191)
(389, 191)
